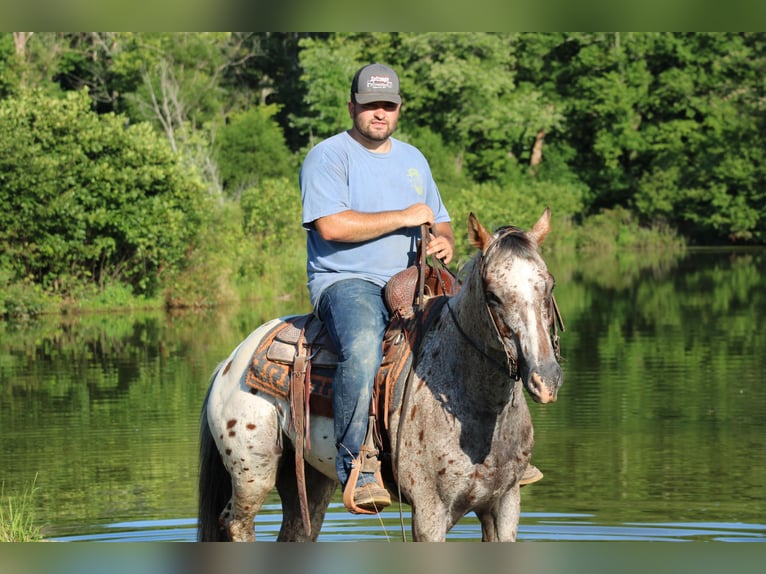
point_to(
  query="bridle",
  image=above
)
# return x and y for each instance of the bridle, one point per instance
(511, 365)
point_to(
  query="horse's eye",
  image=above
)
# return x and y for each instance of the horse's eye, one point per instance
(493, 299)
(551, 287)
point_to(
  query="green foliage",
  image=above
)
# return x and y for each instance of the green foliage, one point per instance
(171, 78)
(209, 268)
(274, 263)
(328, 67)
(655, 133)
(618, 230)
(272, 212)
(8, 66)
(20, 300)
(251, 148)
(17, 520)
(519, 204)
(463, 86)
(88, 198)
(667, 125)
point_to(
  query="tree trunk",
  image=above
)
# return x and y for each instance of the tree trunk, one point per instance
(537, 150)
(20, 40)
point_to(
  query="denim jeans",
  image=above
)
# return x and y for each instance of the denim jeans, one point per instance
(356, 317)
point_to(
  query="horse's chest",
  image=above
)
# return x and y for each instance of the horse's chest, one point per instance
(465, 460)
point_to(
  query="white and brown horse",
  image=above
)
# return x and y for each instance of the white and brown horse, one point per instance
(460, 438)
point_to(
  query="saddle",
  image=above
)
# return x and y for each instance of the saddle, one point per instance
(296, 361)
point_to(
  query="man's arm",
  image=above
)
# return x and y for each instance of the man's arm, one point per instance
(354, 226)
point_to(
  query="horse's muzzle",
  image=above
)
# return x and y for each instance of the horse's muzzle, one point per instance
(544, 387)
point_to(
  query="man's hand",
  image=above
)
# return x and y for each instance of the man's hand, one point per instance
(442, 245)
(416, 215)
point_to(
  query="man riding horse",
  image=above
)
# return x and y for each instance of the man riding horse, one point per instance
(365, 195)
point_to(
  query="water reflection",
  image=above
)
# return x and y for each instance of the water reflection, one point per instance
(658, 433)
(536, 526)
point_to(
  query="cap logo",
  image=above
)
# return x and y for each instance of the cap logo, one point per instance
(379, 82)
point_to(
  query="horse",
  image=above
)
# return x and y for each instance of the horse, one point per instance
(461, 436)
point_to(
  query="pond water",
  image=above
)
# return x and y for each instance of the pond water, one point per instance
(658, 432)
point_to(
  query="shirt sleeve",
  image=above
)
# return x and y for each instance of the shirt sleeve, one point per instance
(324, 184)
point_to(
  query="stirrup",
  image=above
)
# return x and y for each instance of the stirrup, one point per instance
(366, 462)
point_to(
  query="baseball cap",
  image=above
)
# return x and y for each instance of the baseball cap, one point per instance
(375, 83)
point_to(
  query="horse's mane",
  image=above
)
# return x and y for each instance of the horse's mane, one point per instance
(510, 241)
(514, 241)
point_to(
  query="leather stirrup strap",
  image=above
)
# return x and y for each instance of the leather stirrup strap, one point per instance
(367, 461)
(298, 410)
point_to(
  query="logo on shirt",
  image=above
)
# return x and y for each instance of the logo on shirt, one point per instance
(416, 180)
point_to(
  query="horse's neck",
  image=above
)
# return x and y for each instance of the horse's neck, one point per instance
(471, 310)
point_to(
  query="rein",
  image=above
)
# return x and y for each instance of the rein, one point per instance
(503, 368)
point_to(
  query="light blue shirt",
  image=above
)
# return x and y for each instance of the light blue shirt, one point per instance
(339, 174)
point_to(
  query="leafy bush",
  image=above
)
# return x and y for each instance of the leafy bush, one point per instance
(274, 263)
(271, 212)
(207, 273)
(251, 148)
(88, 198)
(21, 300)
(520, 204)
(619, 230)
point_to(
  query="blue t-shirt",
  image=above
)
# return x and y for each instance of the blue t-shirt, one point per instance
(340, 174)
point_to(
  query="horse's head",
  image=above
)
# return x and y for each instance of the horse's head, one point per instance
(518, 290)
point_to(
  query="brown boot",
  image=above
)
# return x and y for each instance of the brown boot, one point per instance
(371, 497)
(531, 474)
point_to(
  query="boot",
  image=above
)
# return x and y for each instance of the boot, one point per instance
(370, 497)
(531, 474)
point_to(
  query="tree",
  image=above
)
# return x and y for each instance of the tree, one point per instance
(88, 198)
(462, 85)
(328, 66)
(250, 148)
(707, 173)
(175, 82)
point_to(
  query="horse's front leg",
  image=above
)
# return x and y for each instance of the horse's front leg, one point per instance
(501, 522)
(431, 522)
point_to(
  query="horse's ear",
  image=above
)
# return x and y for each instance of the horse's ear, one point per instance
(540, 230)
(478, 235)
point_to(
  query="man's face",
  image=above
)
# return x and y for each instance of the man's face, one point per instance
(375, 121)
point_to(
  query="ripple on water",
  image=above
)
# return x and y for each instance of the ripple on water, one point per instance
(340, 526)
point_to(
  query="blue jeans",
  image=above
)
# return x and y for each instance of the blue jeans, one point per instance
(356, 317)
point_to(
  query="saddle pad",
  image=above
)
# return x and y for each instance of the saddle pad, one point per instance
(270, 368)
(283, 346)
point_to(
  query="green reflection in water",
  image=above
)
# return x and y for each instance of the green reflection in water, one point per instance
(660, 419)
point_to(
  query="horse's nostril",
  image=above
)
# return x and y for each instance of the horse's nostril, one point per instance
(541, 389)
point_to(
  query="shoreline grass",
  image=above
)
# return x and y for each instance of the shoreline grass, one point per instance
(17, 520)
